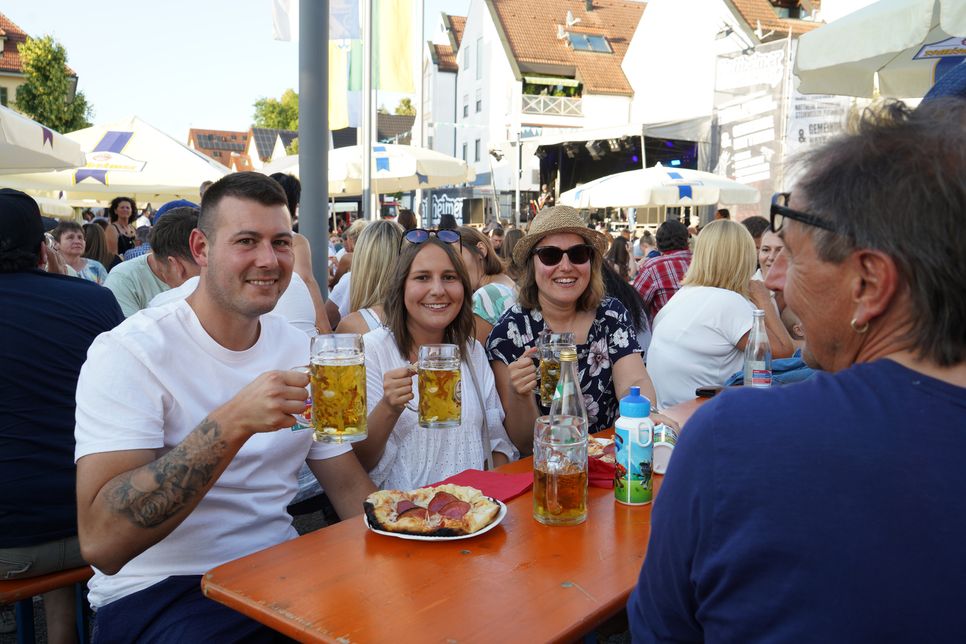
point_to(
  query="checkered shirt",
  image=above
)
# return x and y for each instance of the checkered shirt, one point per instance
(660, 278)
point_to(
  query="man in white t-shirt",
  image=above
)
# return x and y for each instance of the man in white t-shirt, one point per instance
(185, 454)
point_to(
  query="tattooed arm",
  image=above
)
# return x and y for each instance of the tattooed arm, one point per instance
(128, 501)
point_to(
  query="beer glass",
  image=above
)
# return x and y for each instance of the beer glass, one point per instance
(303, 419)
(560, 470)
(548, 348)
(440, 395)
(338, 388)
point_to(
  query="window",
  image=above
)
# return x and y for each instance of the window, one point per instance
(217, 153)
(3, 96)
(479, 101)
(588, 42)
(479, 59)
(476, 151)
(466, 59)
(466, 105)
(464, 153)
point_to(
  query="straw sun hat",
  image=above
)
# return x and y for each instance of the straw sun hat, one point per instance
(558, 219)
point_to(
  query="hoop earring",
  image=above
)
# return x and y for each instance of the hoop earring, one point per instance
(859, 329)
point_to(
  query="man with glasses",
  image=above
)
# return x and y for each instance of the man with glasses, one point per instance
(832, 510)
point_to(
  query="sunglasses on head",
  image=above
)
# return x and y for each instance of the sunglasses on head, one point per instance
(421, 236)
(551, 255)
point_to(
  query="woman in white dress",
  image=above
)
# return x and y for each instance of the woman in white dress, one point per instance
(428, 302)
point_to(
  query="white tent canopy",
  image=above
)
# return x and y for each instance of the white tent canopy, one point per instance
(659, 186)
(129, 158)
(907, 44)
(28, 146)
(395, 168)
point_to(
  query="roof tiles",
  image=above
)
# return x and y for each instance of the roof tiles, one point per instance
(754, 12)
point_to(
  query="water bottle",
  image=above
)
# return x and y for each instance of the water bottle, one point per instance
(758, 353)
(634, 450)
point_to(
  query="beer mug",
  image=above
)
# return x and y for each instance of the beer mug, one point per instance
(338, 388)
(303, 419)
(440, 395)
(548, 348)
(560, 470)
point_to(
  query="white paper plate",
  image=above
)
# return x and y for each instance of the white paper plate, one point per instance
(417, 537)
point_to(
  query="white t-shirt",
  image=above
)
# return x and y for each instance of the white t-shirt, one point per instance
(340, 294)
(295, 304)
(134, 284)
(146, 385)
(693, 341)
(415, 456)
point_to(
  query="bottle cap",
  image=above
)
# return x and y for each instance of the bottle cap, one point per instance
(634, 405)
(568, 355)
(758, 313)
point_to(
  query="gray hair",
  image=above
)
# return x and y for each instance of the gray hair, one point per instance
(898, 185)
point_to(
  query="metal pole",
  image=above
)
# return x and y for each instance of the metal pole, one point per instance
(419, 126)
(314, 133)
(516, 183)
(365, 140)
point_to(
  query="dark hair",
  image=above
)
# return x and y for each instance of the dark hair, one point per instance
(618, 257)
(672, 235)
(251, 186)
(897, 186)
(293, 190)
(589, 300)
(756, 225)
(460, 330)
(617, 287)
(725, 213)
(143, 234)
(116, 201)
(64, 226)
(169, 237)
(470, 237)
(95, 247)
(406, 219)
(510, 239)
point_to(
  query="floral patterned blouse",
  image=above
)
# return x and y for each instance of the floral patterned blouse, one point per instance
(610, 338)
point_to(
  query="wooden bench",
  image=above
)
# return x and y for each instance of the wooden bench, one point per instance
(22, 591)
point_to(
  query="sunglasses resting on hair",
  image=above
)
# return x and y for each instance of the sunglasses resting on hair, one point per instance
(421, 236)
(551, 255)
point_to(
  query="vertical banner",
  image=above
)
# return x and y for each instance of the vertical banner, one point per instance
(393, 54)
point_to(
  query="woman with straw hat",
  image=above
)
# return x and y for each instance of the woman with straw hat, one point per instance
(561, 290)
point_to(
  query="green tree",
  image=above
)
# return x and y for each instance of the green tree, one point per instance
(406, 107)
(45, 94)
(280, 114)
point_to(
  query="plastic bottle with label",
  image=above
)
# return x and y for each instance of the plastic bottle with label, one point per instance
(634, 450)
(758, 353)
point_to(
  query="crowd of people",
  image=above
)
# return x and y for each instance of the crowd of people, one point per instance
(172, 393)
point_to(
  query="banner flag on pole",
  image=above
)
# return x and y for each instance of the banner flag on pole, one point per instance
(393, 56)
(343, 20)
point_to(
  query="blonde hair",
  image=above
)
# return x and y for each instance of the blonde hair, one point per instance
(355, 229)
(724, 257)
(373, 263)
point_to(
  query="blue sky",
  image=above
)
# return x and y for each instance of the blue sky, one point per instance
(177, 63)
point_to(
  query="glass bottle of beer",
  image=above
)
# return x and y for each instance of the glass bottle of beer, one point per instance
(568, 399)
(758, 354)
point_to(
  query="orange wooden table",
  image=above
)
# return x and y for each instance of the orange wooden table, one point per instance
(519, 581)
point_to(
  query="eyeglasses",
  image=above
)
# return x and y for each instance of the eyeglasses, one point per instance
(780, 211)
(421, 236)
(551, 255)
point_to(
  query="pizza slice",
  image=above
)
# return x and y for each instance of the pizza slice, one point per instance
(444, 511)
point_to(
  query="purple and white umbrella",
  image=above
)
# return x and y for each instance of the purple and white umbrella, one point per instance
(28, 146)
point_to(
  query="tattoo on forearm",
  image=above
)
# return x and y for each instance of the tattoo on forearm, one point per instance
(152, 494)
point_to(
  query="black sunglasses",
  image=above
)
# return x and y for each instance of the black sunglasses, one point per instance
(780, 211)
(551, 255)
(421, 236)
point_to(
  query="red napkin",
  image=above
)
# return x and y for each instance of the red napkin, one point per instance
(494, 484)
(600, 474)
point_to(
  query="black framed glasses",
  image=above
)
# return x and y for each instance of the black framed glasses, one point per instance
(780, 211)
(551, 255)
(421, 236)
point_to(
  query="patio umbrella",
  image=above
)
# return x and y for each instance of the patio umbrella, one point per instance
(908, 44)
(129, 158)
(395, 168)
(28, 146)
(658, 186)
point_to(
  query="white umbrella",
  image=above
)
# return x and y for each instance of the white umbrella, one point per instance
(129, 158)
(28, 146)
(908, 44)
(659, 186)
(395, 168)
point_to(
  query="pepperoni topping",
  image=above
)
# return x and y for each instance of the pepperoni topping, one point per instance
(455, 510)
(441, 500)
(415, 512)
(404, 505)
